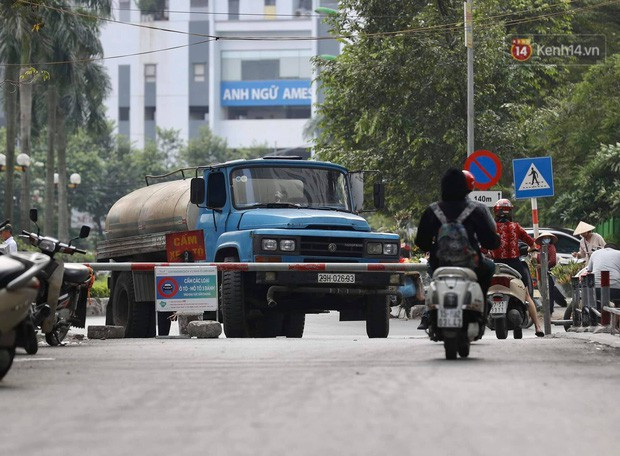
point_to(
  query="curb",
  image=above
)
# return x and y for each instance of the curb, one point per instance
(603, 339)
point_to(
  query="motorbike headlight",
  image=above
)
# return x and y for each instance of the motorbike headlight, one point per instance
(390, 249)
(374, 248)
(269, 244)
(47, 245)
(287, 245)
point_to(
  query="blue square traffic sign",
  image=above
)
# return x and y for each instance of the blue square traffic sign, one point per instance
(533, 177)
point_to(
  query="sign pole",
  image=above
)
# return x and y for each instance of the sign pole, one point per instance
(535, 216)
(469, 42)
(544, 289)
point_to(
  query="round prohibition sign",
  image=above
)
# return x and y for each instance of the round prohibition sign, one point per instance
(485, 167)
(167, 287)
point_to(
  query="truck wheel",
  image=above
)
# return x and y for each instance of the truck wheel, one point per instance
(377, 316)
(234, 313)
(294, 324)
(138, 318)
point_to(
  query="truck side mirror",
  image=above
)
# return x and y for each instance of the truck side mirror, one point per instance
(378, 193)
(216, 190)
(197, 191)
(357, 191)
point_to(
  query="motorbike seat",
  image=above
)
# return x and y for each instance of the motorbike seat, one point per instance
(9, 270)
(76, 273)
(501, 268)
(451, 271)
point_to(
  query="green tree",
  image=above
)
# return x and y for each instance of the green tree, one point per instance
(397, 103)
(207, 148)
(595, 193)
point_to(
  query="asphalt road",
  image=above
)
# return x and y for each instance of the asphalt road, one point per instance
(334, 392)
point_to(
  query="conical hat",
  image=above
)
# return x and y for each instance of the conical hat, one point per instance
(583, 227)
(554, 238)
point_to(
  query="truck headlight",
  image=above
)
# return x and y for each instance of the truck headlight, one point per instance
(287, 245)
(374, 248)
(390, 249)
(269, 244)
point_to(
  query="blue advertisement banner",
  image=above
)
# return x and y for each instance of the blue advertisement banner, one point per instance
(282, 92)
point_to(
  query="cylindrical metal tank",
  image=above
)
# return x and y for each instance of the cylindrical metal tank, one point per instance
(156, 208)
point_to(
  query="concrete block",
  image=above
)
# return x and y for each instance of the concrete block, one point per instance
(185, 319)
(106, 332)
(204, 329)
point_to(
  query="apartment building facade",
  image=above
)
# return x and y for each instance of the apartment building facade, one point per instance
(252, 86)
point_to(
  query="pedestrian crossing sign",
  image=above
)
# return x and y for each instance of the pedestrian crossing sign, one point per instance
(533, 177)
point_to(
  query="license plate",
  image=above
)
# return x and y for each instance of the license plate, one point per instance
(450, 318)
(499, 307)
(336, 278)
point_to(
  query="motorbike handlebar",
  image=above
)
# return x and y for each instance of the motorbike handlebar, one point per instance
(83, 252)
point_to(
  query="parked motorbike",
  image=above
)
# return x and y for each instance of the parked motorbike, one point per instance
(62, 301)
(456, 306)
(19, 287)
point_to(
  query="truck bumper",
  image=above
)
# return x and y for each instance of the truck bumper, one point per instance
(350, 285)
(357, 280)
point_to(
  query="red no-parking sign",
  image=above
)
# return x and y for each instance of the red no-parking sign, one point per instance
(485, 167)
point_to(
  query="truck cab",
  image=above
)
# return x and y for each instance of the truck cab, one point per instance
(276, 210)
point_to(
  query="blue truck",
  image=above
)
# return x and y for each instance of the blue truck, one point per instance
(274, 209)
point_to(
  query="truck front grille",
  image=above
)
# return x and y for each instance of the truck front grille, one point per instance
(332, 247)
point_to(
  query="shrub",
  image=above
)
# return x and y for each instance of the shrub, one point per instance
(100, 289)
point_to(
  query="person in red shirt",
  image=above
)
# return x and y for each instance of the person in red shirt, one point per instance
(510, 234)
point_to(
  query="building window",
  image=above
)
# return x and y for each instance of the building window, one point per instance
(123, 114)
(261, 65)
(233, 10)
(153, 10)
(124, 13)
(149, 113)
(199, 4)
(198, 112)
(200, 72)
(270, 2)
(150, 72)
(303, 8)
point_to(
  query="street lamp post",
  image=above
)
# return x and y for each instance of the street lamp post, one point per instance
(23, 164)
(64, 213)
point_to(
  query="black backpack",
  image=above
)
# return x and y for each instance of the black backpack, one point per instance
(453, 247)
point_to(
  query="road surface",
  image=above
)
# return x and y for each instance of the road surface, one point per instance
(334, 392)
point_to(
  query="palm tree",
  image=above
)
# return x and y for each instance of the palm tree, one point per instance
(75, 95)
(16, 41)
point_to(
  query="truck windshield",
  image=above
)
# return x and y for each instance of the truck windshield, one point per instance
(315, 188)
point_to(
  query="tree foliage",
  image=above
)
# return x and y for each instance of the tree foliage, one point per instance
(398, 103)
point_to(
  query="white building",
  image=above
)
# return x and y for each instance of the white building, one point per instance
(248, 91)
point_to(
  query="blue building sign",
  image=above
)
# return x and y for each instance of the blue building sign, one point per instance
(280, 92)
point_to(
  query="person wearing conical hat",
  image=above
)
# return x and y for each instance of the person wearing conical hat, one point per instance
(590, 241)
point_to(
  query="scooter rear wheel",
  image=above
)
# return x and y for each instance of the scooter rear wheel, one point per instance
(463, 347)
(6, 359)
(501, 328)
(450, 345)
(518, 333)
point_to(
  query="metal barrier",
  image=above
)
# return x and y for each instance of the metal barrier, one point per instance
(588, 314)
(269, 267)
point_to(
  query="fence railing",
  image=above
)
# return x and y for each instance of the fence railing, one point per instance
(588, 313)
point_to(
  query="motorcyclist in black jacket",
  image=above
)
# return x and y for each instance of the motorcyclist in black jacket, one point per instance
(480, 227)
